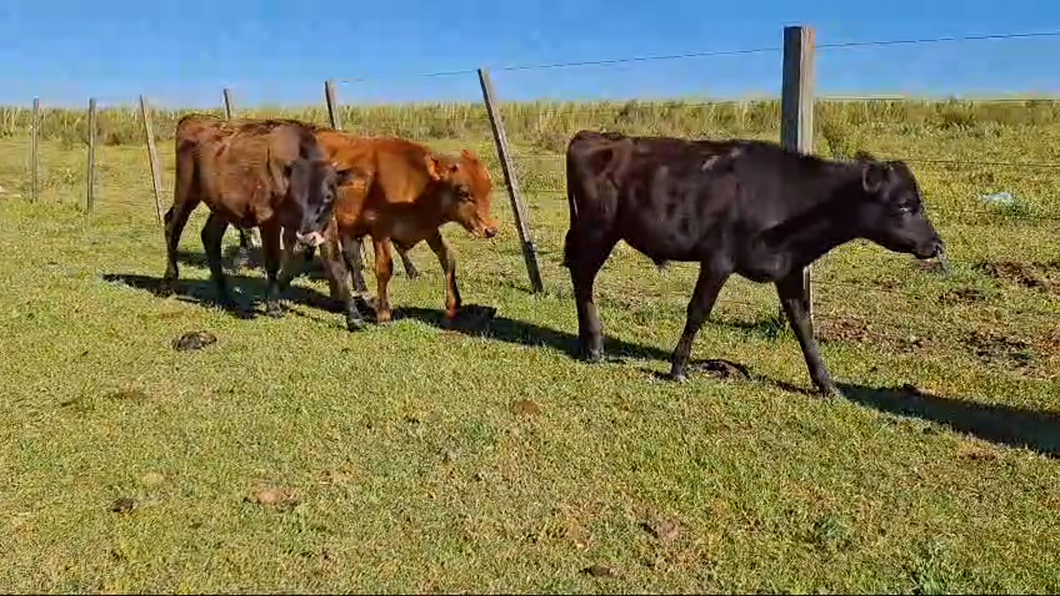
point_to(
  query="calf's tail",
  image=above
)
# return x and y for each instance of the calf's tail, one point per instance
(572, 205)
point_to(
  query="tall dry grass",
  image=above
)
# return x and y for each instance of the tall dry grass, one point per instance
(546, 125)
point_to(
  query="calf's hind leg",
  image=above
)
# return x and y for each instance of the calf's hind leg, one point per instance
(212, 234)
(352, 253)
(384, 268)
(708, 285)
(410, 269)
(185, 199)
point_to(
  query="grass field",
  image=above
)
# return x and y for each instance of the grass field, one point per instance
(291, 455)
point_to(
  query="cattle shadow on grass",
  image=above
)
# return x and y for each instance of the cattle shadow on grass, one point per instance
(248, 292)
(997, 423)
(312, 269)
(526, 334)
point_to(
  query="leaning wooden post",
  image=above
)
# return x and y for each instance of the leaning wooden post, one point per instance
(518, 208)
(227, 95)
(89, 199)
(796, 109)
(152, 155)
(34, 153)
(334, 120)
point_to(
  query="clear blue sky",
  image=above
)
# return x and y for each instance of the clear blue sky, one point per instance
(182, 52)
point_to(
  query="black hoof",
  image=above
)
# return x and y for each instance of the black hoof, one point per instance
(168, 286)
(274, 311)
(828, 391)
(593, 356)
(355, 324)
(675, 377)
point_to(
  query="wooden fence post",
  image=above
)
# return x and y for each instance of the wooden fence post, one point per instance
(334, 120)
(34, 153)
(518, 208)
(90, 199)
(796, 108)
(227, 95)
(152, 155)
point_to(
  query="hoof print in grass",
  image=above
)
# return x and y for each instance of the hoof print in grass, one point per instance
(275, 497)
(598, 570)
(526, 407)
(194, 340)
(723, 369)
(123, 505)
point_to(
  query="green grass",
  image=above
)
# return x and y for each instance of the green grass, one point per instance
(413, 470)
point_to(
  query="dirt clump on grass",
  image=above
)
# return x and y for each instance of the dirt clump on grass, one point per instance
(961, 296)
(831, 329)
(993, 347)
(598, 570)
(722, 369)
(525, 407)
(194, 340)
(127, 395)
(663, 530)
(847, 329)
(279, 497)
(123, 505)
(1039, 276)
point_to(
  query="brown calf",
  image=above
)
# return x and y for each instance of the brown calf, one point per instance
(405, 194)
(270, 174)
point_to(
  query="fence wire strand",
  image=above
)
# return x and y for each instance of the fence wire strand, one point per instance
(710, 54)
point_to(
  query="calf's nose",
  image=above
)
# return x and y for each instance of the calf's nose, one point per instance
(490, 231)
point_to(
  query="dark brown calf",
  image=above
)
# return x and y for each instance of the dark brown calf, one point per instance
(269, 174)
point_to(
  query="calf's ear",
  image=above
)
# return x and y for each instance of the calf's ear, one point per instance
(297, 174)
(874, 176)
(434, 167)
(344, 175)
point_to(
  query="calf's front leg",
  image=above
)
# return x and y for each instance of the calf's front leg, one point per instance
(271, 249)
(792, 295)
(290, 264)
(445, 257)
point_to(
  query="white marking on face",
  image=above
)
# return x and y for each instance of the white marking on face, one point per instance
(312, 239)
